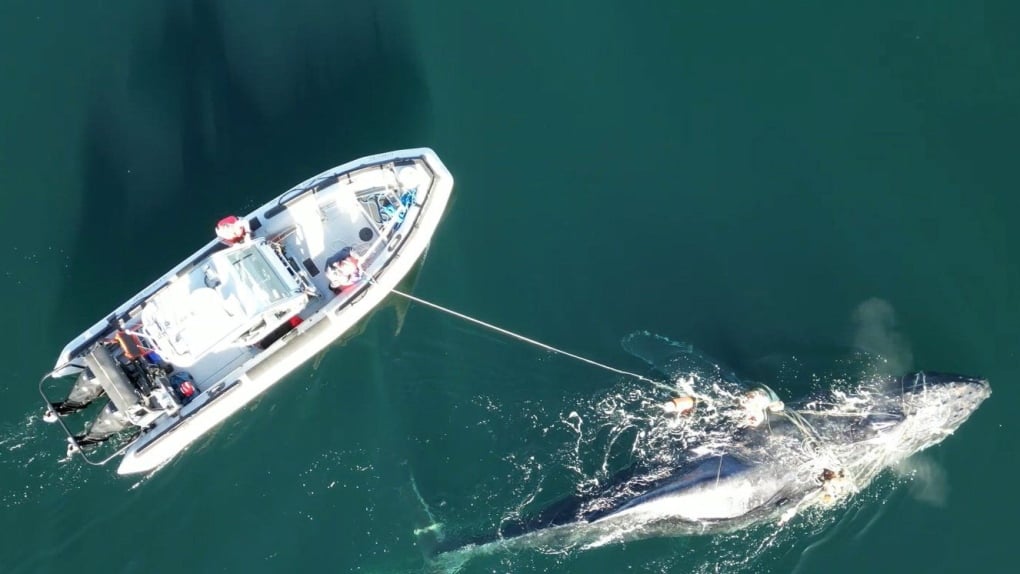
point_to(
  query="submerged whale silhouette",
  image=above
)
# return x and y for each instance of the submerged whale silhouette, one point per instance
(807, 454)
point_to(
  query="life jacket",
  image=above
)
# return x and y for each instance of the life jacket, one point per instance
(130, 344)
(183, 386)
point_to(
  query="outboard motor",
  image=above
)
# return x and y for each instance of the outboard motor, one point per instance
(109, 422)
(86, 389)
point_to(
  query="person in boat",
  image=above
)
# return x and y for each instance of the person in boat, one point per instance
(232, 230)
(345, 272)
(183, 386)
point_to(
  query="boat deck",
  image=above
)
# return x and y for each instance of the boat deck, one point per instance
(241, 313)
(346, 215)
(361, 212)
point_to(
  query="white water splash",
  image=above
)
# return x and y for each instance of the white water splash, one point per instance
(610, 431)
(34, 453)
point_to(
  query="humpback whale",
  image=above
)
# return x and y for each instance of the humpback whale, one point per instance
(733, 474)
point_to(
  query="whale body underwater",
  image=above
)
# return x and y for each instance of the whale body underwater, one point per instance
(785, 459)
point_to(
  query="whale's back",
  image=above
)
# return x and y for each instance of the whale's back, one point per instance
(720, 477)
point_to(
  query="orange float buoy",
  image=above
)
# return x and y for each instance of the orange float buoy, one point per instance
(682, 405)
(231, 230)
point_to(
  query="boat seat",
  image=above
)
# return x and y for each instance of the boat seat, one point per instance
(308, 217)
(204, 300)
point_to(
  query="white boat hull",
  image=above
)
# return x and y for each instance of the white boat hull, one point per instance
(239, 382)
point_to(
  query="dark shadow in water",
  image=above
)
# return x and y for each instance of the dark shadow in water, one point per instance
(208, 148)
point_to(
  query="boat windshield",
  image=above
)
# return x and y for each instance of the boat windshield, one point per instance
(259, 284)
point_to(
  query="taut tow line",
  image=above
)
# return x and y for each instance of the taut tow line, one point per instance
(530, 341)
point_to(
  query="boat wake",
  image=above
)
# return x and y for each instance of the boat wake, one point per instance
(40, 470)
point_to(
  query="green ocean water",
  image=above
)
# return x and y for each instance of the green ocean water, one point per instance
(770, 182)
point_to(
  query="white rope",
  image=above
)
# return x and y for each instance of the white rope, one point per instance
(531, 341)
